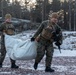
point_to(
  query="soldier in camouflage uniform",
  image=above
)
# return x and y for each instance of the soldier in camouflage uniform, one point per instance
(8, 28)
(45, 45)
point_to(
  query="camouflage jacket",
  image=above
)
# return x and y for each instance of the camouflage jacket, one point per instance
(8, 28)
(43, 25)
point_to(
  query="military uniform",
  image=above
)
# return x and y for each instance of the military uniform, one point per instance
(44, 45)
(7, 28)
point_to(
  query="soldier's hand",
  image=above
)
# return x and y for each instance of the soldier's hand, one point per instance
(32, 39)
(54, 35)
(57, 43)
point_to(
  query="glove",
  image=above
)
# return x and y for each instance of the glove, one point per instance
(54, 36)
(57, 43)
(54, 33)
(32, 39)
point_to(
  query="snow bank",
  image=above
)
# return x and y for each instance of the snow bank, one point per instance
(69, 41)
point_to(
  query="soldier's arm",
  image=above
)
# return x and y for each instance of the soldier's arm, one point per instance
(58, 29)
(59, 32)
(13, 27)
(39, 30)
(1, 27)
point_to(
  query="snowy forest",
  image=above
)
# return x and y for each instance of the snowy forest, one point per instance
(27, 16)
(38, 11)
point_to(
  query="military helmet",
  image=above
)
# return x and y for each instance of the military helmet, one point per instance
(8, 16)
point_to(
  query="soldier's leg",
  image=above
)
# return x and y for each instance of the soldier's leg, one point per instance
(13, 63)
(3, 54)
(49, 56)
(40, 54)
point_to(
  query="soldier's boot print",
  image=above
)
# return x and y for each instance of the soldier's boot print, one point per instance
(35, 65)
(48, 69)
(13, 65)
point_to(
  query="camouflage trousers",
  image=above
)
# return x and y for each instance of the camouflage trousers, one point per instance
(3, 53)
(41, 51)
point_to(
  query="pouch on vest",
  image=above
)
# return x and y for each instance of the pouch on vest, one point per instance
(9, 29)
(47, 33)
(10, 32)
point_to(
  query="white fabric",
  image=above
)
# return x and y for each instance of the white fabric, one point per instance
(20, 50)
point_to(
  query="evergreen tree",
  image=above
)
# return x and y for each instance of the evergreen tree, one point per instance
(56, 5)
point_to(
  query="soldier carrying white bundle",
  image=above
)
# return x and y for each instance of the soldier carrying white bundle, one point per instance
(45, 36)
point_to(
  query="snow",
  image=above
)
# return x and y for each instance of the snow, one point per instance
(63, 63)
(5, 73)
(68, 48)
(64, 53)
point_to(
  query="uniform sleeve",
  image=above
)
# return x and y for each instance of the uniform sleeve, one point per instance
(39, 30)
(13, 27)
(1, 27)
(59, 32)
(58, 29)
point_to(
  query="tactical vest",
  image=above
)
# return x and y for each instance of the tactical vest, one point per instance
(47, 33)
(9, 29)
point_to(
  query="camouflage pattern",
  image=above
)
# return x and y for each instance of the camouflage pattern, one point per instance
(47, 33)
(4, 28)
(45, 45)
(7, 28)
(41, 51)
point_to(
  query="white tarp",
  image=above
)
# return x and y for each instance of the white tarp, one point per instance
(18, 49)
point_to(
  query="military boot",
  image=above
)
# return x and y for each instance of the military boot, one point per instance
(35, 65)
(14, 66)
(48, 69)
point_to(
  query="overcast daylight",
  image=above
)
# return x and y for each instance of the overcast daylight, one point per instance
(37, 37)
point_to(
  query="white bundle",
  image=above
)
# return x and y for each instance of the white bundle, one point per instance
(18, 49)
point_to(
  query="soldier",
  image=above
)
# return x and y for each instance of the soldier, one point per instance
(8, 28)
(44, 37)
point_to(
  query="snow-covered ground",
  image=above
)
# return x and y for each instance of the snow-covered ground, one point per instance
(64, 63)
(68, 48)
